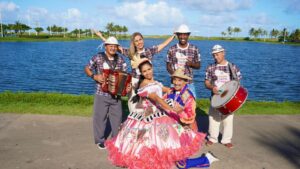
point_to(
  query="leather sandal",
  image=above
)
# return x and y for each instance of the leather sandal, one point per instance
(228, 145)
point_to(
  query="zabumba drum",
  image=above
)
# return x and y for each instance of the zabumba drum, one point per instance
(232, 96)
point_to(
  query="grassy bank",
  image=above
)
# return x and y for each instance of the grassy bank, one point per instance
(42, 39)
(82, 105)
(69, 38)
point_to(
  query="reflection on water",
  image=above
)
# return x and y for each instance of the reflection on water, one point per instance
(269, 70)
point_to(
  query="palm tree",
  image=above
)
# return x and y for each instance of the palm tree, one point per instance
(295, 36)
(87, 32)
(223, 34)
(265, 34)
(54, 29)
(17, 27)
(38, 30)
(23, 27)
(229, 30)
(237, 30)
(65, 30)
(259, 32)
(4, 29)
(274, 33)
(49, 29)
(60, 30)
(11, 28)
(251, 32)
(284, 34)
(118, 29)
(109, 27)
(76, 31)
(125, 29)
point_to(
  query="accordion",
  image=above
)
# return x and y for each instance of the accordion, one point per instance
(115, 82)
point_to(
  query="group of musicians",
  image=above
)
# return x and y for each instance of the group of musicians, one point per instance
(148, 106)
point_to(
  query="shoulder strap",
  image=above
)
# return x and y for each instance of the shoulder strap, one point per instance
(232, 72)
(113, 64)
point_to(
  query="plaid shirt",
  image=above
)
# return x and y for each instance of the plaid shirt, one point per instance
(98, 63)
(220, 74)
(178, 56)
(147, 52)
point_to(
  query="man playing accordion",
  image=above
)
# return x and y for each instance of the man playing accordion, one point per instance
(106, 105)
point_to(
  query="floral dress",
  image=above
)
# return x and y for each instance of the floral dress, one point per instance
(152, 139)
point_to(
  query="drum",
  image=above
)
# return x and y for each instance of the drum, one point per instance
(115, 82)
(232, 96)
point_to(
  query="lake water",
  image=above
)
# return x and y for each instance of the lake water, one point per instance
(270, 71)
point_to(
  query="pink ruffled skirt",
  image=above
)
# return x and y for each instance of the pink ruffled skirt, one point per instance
(157, 144)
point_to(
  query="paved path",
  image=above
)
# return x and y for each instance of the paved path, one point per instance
(64, 142)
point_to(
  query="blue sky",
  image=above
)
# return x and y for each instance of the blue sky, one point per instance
(156, 17)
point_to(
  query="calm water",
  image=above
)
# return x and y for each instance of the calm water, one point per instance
(269, 70)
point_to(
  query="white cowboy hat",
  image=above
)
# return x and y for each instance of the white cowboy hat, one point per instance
(217, 49)
(111, 41)
(180, 73)
(183, 29)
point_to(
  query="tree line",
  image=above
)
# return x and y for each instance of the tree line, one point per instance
(19, 29)
(255, 33)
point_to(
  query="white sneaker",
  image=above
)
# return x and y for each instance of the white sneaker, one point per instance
(211, 158)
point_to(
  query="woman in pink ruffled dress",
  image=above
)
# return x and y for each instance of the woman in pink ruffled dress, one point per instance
(152, 139)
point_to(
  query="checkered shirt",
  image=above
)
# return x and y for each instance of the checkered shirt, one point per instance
(96, 65)
(192, 53)
(148, 52)
(211, 76)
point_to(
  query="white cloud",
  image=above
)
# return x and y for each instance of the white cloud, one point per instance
(73, 13)
(213, 25)
(36, 13)
(218, 5)
(144, 14)
(71, 18)
(217, 20)
(260, 19)
(8, 6)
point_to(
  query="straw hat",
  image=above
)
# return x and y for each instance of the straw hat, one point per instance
(111, 41)
(139, 61)
(180, 73)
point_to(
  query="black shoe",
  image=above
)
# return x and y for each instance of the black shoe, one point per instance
(101, 146)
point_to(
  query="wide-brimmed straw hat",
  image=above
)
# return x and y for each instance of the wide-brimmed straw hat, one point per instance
(180, 73)
(138, 62)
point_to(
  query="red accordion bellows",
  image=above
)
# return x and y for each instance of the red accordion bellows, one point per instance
(115, 82)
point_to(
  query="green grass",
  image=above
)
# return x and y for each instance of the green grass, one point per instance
(82, 105)
(46, 38)
(41, 39)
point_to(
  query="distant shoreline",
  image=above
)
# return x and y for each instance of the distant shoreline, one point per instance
(65, 39)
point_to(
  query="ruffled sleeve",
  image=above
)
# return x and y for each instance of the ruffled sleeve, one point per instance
(143, 92)
(150, 88)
